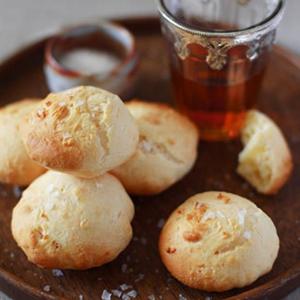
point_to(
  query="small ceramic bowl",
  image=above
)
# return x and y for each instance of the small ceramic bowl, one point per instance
(102, 55)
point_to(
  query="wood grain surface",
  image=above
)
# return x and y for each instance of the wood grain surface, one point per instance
(140, 266)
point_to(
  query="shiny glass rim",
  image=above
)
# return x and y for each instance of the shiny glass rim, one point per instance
(266, 25)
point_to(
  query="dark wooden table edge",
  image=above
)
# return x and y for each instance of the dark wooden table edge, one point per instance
(288, 282)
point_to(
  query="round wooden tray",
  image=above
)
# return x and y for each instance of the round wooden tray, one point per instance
(140, 266)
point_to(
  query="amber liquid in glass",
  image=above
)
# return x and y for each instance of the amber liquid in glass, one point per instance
(217, 100)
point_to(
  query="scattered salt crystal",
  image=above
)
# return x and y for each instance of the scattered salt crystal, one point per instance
(208, 298)
(241, 216)
(124, 268)
(17, 191)
(161, 223)
(181, 297)
(67, 135)
(80, 297)
(47, 288)
(146, 146)
(247, 235)
(125, 297)
(220, 214)
(116, 293)
(257, 213)
(53, 191)
(156, 271)
(49, 205)
(12, 255)
(144, 241)
(50, 188)
(132, 294)
(170, 280)
(140, 277)
(78, 103)
(99, 185)
(151, 297)
(208, 215)
(57, 273)
(125, 287)
(106, 295)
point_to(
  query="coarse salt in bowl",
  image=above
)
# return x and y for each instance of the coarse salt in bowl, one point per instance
(102, 55)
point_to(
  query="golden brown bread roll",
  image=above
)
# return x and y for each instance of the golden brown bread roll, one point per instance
(84, 131)
(166, 152)
(266, 160)
(216, 241)
(16, 167)
(72, 223)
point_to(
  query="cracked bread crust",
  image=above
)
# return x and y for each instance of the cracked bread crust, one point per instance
(84, 131)
(16, 167)
(216, 241)
(66, 222)
(166, 152)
